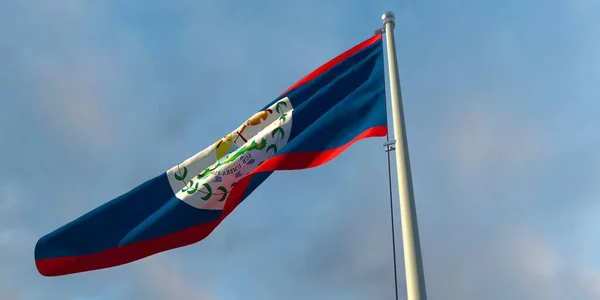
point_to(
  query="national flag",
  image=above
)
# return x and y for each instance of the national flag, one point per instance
(311, 123)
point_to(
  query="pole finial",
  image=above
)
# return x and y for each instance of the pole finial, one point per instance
(389, 17)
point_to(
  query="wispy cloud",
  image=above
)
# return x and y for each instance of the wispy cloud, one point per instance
(501, 111)
(161, 279)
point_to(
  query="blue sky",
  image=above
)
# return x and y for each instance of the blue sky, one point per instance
(501, 104)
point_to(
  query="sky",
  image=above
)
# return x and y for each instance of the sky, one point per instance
(501, 108)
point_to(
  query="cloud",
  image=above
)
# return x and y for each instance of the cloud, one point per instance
(85, 89)
(502, 172)
(590, 283)
(510, 263)
(8, 199)
(480, 136)
(347, 256)
(67, 78)
(75, 94)
(504, 166)
(8, 293)
(13, 237)
(14, 242)
(161, 279)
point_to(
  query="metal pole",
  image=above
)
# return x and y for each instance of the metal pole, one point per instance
(413, 264)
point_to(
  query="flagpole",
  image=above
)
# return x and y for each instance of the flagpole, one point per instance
(413, 264)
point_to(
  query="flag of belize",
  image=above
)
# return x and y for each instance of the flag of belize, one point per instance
(312, 122)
